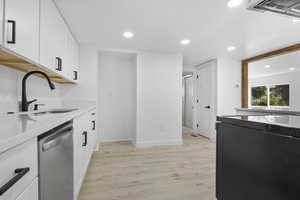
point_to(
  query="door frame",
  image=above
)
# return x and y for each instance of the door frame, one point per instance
(213, 65)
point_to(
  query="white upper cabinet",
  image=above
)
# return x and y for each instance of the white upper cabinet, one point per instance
(51, 36)
(68, 54)
(1, 20)
(74, 51)
(22, 27)
(36, 30)
(56, 41)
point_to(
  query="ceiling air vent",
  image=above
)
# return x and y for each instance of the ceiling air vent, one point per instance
(285, 7)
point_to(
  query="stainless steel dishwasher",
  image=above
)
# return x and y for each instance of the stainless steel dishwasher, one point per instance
(56, 163)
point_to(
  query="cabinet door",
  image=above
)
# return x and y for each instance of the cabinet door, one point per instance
(75, 50)
(292, 150)
(31, 193)
(93, 127)
(1, 20)
(81, 141)
(253, 164)
(69, 55)
(14, 168)
(22, 27)
(52, 37)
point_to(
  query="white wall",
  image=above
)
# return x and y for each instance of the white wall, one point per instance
(291, 78)
(159, 99)
(228, 86)
(37, 88)
(117, 96)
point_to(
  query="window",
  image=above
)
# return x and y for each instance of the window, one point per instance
(270, 96)
(259, 96)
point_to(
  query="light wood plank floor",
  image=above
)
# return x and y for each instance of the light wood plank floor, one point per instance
(121, 172)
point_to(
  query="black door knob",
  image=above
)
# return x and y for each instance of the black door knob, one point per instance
(208, 107)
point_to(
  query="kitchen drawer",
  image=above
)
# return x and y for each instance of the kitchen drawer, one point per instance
(24, 158)
(31, 192)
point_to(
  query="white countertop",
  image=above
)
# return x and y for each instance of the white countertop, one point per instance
(18, 128)
(270, 111)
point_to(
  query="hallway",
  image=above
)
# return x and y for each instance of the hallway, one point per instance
(121, 172)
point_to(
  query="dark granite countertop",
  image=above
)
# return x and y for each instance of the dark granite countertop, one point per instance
(282, 124)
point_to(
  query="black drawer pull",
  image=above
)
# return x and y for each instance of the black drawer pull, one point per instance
(85, 139)
(13, 32)
(19, 174)
(94, 125)
(59, 64)
(75, 75)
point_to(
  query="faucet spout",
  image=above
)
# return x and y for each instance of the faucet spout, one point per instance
(25, 103)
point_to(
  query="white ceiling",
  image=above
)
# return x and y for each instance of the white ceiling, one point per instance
(159, 25)
(278, 65)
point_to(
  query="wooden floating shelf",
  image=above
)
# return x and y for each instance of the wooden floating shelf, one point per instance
(11, 60)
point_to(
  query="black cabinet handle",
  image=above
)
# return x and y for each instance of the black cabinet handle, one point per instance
(75, 75)
(85, 138)
(19, 174)
(13, 32)
(59, 64)
(94, 125)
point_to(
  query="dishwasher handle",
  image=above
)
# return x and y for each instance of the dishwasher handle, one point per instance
(56, 138)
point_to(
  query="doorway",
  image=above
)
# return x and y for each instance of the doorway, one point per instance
(205, 99)
(188, 101)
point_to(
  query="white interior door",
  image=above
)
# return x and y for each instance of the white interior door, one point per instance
(188, 102)
(204, 100)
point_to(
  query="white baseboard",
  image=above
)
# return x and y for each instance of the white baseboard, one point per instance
(143, 144)
(114, 140)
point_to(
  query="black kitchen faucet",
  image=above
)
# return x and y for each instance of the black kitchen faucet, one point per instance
(25, 103)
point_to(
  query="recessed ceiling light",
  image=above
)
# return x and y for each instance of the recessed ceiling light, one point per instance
(295, 20)
(292, 68)
(185, 42)
(128, 34)
(234, 3)
(231, 48)
(267, 66)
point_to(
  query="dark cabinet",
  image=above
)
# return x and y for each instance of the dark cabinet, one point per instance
(256, 164)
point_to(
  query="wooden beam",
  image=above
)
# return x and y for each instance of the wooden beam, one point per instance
(245, 84)
(271, 54)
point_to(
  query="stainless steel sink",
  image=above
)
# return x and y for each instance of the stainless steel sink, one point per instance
(43, 112)
(57, 111)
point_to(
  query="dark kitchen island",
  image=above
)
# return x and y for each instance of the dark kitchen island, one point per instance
(258, 158)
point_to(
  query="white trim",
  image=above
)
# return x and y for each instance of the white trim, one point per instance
(115, 140)
(145, 144)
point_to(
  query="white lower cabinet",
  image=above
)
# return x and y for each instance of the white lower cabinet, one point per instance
(18, 168)
(84, 144)
(19, 165)
(31, 193)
